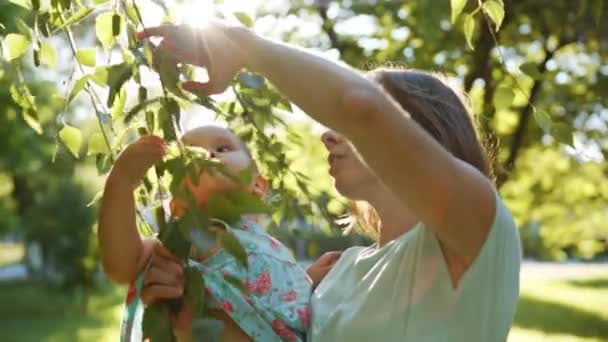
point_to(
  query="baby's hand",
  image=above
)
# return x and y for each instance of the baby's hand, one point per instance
(322, 266)
(135, 160)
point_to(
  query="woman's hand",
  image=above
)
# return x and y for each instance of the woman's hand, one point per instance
(319, 269)
(133, 163)
(210, 47)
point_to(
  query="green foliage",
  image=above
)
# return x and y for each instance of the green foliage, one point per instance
(87, 57)
(72, 138)
(15, 45)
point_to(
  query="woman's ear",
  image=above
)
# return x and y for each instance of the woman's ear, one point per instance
(259, 186)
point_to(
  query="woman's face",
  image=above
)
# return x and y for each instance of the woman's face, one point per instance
(351, 176)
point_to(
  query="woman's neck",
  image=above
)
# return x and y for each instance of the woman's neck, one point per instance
(396, 219)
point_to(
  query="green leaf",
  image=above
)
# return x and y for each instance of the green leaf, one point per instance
(97, 144)
(563, 133)
(244, 18)
(118, 109)
(99, 2)
(174, 240)
(496, 11)
(78, 87)
(117, 75)
(194, 290)
(503, 97)
(156, 324)
(233, 246)
(207, 329)
(23, 3)
(87, 57)
(531, 69)
(103, 163)
(543, 120)
(81, 14)
(31, 118)
(104, 25)
(457, 7)
(72, 138)
(166, 66)
(48, 55)
(15, 45)
(98, 196)
(469, 29)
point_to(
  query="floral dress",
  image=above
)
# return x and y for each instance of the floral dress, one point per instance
(277, 305)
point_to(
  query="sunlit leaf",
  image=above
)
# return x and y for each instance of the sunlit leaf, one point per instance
(98, 196)
(87, 56)
(457, 7)
(78, 87)
(244, 19)
(97, 144)
(48, 55)
(104, 25)
(15, 45)
(469, 29)
(77, 17)
(495, 11)
(71, 138)
(503, 97)
(31, 118)
(118, 109)
(543, 120)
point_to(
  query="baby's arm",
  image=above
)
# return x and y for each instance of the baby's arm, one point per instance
(122, 249)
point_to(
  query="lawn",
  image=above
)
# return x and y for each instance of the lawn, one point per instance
(549, 310)
(562, 310)
(30, 313)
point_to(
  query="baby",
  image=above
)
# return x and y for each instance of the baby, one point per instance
(276, 305)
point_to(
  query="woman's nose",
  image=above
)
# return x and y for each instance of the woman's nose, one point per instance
(331, 138)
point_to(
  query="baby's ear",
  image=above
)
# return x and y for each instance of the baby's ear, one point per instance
(259, 186)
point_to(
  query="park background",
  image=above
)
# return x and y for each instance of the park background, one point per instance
(537, 78)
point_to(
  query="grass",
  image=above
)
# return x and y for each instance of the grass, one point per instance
(549, 310)
(31, 313)
(562, 310)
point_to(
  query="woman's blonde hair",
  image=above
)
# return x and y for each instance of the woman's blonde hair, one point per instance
(443, 113)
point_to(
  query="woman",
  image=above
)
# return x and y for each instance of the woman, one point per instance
(446, 263)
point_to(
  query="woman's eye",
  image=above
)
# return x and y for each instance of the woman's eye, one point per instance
(223, 149)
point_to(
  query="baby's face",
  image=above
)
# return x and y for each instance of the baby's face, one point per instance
(225, 146)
